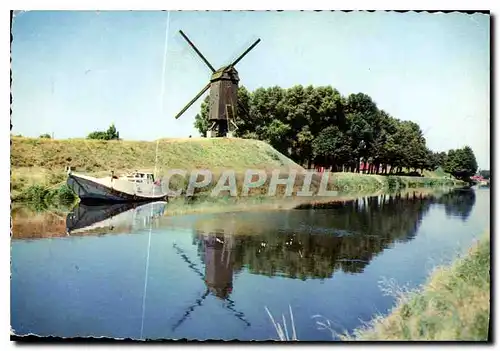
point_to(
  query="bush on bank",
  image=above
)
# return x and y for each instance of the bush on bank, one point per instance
(43, 195)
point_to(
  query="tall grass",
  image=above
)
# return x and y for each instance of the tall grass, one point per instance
(454, 305)
(281, 329)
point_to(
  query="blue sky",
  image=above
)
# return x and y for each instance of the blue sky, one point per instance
(76, 72)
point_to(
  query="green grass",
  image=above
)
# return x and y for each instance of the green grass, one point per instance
(96, 155)
(43, 161)
(438, 173)
(38, 165)
(354, 182)
(42, 197)
(453, 305)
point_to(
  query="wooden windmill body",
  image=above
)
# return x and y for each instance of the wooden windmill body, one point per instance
(223, 87)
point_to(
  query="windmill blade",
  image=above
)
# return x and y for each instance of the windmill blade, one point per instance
(190, 309)
(237, 314)
(197, 51)
(244, 53)
(188, 261)
(193, 101)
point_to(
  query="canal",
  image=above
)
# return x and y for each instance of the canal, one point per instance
(134, 272)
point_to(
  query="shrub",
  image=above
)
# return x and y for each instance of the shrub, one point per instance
(110, 134)
(34, 193)
(62, 195)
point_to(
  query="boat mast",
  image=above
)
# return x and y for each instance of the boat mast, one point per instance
(154, 175)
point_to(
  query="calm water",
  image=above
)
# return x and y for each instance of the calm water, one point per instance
(211, 276)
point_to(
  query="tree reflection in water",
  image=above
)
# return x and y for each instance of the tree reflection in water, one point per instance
(342, 236)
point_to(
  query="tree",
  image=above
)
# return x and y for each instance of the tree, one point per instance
(274, 134)
(440, 158)
(318, 123)
(303, 146)
(267, 106)
(45, 136)
(332, 148)
(98, 135)
(201, 119)
(461, 163)
(484, 173)
(110, 134)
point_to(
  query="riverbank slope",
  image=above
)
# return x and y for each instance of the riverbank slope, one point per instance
(453, 305)
(39, 164)
(43, 162)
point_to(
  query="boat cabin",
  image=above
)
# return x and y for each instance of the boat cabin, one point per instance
(140, 177)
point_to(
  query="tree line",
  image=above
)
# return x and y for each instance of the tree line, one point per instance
(319, 126)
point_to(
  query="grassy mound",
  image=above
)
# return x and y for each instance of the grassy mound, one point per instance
(42, 162)
(96, 155)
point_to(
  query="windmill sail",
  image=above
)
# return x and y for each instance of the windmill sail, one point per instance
(223, 87)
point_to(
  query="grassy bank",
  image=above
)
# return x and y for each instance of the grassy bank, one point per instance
(43, 197)
(453, 305)
(98, 155)
(38, 165)
(342, 183)
(42, 162)
(352, 182)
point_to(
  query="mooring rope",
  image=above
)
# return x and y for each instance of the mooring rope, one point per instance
(156, 161)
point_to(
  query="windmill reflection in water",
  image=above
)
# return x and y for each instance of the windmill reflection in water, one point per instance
(218, 276)
(215, 247)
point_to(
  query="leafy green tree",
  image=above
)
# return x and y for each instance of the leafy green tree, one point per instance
(431, 161)
(267, 107)
(274, 134)
(484, 173)
(98, 135)
(110, 134)
(332, 148)
(318, 124)
(201, 119)
(461, 163)
(303, 146)
(440, 158)
(45, 136)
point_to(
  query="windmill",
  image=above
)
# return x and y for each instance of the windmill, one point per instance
(223, 87)
(217, 276)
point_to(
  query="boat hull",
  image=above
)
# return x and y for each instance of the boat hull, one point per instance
(91, 189)
(109, 218)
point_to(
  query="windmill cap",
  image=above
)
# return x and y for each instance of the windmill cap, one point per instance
(224, 73)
